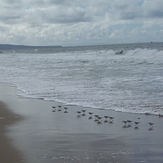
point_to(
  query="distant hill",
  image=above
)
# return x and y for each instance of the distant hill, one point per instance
(15, 47)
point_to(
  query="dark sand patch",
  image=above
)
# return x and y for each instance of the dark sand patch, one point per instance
(8, 153)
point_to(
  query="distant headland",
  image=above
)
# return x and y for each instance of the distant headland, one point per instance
(15, 47)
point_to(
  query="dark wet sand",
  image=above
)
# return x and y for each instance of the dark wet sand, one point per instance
(8, 153)
(44, 136)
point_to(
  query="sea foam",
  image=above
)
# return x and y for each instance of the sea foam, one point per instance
(131, 82)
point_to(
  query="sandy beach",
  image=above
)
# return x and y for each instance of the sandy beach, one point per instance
(8, 152)
(46, 136)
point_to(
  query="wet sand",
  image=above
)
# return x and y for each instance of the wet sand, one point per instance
(47, 136)
(8, 153)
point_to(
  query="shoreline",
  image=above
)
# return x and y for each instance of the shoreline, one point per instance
(46, 136)
(80, 106)
(8, 152)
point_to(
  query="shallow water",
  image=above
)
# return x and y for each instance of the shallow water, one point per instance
(94, 76)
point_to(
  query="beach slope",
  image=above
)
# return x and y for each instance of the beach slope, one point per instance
(8, 153)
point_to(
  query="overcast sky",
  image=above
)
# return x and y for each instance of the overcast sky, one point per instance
(80, 22)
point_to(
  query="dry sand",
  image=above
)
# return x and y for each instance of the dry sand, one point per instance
(44, 136)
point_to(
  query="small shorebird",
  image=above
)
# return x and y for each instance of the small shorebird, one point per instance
(111, 119)
(125, 122)
(106, 118)
(99, 117)
(54, 108)
(99, 120)
(83, 112)
(79, 113)
(65, 110)
(129, 123)
(59, 108)
(96, 117)
(90, 113)
(151, 125)
(136, 124)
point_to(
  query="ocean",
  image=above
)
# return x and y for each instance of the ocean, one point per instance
(125, 77)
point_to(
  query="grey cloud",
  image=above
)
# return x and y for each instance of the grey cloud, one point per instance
(127, 11)
(153, 8)
(10, 19)
(67, 15)
(155, 13)
(70, 20)
(11, 4)
(3, 29)
(65, 19)
(9, 15)
(57, 1)
(55, 15)
(43, 12)
(128, 15)
(49, 3)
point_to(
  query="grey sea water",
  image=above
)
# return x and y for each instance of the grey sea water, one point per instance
(126, 77)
